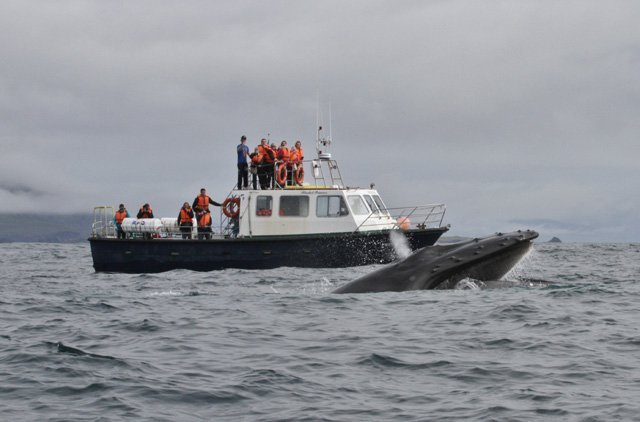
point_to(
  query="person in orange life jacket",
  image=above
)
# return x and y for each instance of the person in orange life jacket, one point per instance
(297, 156)
(145, 212)
(284, 155)
(268, 158)
(256, 162)
(299, 151)
(120, 215)
(185, 220)
(201, 207)
(243, 167)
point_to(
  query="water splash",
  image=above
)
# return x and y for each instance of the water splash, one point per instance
(400, 244)
(468, 284)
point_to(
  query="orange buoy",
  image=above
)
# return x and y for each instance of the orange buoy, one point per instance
(231, 207)
(299, 175)
(281, 174)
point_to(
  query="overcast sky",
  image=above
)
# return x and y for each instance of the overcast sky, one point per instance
(516, 114)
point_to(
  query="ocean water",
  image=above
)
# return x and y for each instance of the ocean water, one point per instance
(277, 345)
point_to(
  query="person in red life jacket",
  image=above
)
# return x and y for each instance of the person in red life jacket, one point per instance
(120, 215)
(256, 163)
(297, 157)
(145, 212)
(185, 220)
(204, 225)
(284, 155)
(201, 207)
(299, 151)
(243, 167)
(268, 159)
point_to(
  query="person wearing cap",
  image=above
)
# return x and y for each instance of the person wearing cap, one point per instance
(243, 167)
(118, 218)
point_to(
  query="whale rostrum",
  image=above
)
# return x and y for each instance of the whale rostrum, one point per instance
(441, 266)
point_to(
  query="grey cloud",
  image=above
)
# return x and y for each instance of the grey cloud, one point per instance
(504, 110)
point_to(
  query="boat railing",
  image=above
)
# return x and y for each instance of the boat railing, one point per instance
(283, 175)
(405, 218)
(103, 225)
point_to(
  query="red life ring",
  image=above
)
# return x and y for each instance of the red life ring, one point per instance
(231, 207)
(281, 174)
(299, 175)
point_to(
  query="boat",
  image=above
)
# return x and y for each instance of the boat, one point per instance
(318, 224)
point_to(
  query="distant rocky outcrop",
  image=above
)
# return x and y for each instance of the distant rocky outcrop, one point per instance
(555, 240)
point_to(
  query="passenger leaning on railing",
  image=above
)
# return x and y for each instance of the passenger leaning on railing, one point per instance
(118, 218)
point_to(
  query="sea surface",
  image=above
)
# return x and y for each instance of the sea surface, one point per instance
(76, 345)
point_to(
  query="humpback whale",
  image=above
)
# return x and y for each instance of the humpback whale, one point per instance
(441, 266)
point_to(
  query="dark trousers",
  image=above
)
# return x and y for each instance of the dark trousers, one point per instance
(243, 176)
(185, 229)
(121, 233)
(263, 177)
(204, 232)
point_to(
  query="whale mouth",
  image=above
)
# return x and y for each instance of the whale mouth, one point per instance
(443, 266)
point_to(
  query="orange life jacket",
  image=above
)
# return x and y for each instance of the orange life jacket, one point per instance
(293, 156)
(120, 216)
(256, 159)
(283, 154)
(300, 154)
(204, 220)
(267, 154)
(203, 202)
(184, 215)
(146, 214)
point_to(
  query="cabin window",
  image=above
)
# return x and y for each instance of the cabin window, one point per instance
(264, 205)
(331, 206)
(294, 206)
(357, 205)
(371, 203)
(379, 203)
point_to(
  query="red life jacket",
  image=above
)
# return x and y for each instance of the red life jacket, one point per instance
(293, 156)
(184, 215)
(120, 216)
(256, 159)
(204, 220)
(146, 214)
(203, 202)
(268, 155)
(283, 154)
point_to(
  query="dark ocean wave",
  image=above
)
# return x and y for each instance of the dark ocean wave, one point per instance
(558, 340)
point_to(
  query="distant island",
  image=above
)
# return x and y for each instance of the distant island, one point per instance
(50, 228)
(555, 240)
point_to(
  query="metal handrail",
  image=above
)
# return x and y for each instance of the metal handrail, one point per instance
(428, 216)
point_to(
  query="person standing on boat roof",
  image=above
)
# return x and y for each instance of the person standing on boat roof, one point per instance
(243, 167)
(284, 155)
(268, 158)
(185, 220)
(121, 214)
(201, 208)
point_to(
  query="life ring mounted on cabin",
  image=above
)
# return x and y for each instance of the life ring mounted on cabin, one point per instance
(231, 207)
(281, 174)
(299, 175)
